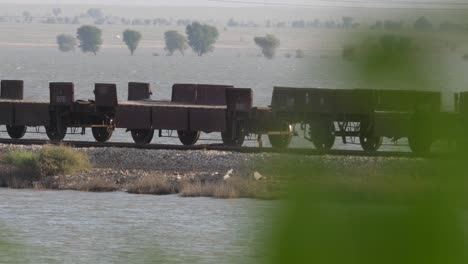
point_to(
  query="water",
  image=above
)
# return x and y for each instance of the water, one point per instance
(74, 227)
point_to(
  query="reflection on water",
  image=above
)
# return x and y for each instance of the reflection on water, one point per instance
(74, 227)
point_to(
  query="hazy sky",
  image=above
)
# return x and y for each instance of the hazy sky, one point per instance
(148, 2)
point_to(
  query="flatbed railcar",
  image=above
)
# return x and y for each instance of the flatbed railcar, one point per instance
(371, 115)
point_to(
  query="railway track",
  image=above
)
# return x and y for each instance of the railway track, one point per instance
(215, 147)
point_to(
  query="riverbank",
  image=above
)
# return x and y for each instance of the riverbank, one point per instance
(201, 173)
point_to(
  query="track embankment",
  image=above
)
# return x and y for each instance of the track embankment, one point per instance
(197, 171)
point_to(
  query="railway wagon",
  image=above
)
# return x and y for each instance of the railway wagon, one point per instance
(67, 113)
(17, 114)
(193, 108)
(366, 114)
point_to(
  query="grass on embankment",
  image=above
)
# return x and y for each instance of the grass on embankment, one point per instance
(25, 169)
(232, 188)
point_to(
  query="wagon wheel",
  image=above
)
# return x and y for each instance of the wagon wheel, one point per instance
(189, 138)
(322, 134)
(55, 133)
(420, 140)
(420, 144)
(142, 136)
(16, 132)
(102, 134)
(369, 142)
(282, 141)
(236, 140)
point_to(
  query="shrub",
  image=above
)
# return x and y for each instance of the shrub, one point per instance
(268, 44)
(22, 160)
(56, 160)
(152, 185)
(230, 189)
(197, 188)
(66, 42)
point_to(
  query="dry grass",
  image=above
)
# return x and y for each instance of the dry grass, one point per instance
(232, 188)
(152, 184)
(97, 184)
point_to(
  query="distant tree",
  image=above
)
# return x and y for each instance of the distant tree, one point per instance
(66, 42)
(300, 54)
(298, 24)
(281, 24)
(90, 38)
(57, 11)
(95, 13)
(232, 23)
(76, 20)
(201, 37)
(330, 24)
(175, 41)
(268, 44)
(51, 20)
(27, 17)
(378, 25)
(422, 23)
(316, 23)
(132, 39)
(347, 22)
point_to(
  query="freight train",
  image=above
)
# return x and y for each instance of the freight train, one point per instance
(323, 114)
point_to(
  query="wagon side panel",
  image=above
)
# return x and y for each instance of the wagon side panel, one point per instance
(170, 118)
(133, 117)
(6, 113)
(32, 114)
(207, 120)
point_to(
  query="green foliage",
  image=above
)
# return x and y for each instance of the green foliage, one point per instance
(175, 41)
(22, 160)
(132, 39)
(90, 38)
(56, 160)
(66, 42)
(201, 37)
(398, 212)
(390, 61)
(268, 44)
